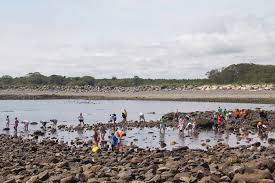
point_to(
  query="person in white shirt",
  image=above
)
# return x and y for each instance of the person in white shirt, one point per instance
(141, 117)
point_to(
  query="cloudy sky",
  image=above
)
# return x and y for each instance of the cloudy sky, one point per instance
(123, 38)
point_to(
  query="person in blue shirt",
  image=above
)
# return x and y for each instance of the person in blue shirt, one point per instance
(114, 141)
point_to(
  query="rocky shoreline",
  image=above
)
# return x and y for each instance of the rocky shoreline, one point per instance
(147, 88)
(264, 95)
(202, 119)
(25, 160)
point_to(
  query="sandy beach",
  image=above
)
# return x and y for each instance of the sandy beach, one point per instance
(246, 96)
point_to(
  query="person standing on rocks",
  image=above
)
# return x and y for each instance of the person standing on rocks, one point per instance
(96, 137)
(102, 132)
(16, 122)
(237, 114)
(8, 122)
(260, 127)
(81, 119)
(263, 115)
(114, 141)
(220, 121)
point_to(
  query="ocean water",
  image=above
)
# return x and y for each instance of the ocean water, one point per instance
(94, 111)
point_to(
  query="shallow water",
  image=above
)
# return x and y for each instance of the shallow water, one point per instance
(152, 138)
(66, 111)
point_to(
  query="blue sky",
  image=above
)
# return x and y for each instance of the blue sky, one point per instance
(123, 38)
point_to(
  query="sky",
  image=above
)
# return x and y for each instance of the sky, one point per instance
(124, 38)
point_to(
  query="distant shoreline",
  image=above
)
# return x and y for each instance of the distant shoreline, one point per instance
(231, 96)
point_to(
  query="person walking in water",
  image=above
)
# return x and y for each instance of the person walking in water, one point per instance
(8, 122)
(162, 124)
(81, 119)
(113, 119)
(181, 124)
(16, 122)
(26, 125)
(126, 115)
(123, 117)
(141, 117)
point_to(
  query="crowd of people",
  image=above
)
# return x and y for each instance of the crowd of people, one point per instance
(220, 119)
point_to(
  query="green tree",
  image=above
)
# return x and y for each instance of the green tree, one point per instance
(37, 79)
(88, 80)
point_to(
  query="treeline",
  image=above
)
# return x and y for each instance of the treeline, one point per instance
(243, 74)
(37, 79)
(240, 73)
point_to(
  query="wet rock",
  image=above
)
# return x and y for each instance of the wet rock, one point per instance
(182, 148)
(271, 141)
(38, 133)
(256, 144)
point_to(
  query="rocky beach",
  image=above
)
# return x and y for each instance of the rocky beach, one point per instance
(25, 160)
(35, 159)
(213, 93)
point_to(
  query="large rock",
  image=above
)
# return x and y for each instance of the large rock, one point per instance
(252, 176)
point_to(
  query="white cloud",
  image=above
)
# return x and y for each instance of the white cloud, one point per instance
(212, 43)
